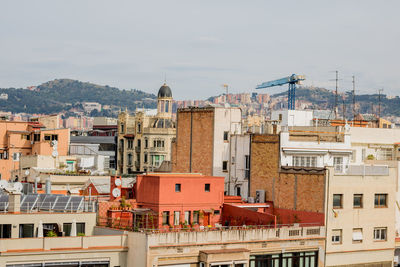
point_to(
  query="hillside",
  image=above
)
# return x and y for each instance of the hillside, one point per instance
(62, 95)
(321, 98)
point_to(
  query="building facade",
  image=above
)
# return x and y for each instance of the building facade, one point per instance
(203, 140)
(144, 139)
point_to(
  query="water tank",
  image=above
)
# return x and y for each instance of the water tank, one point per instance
(260, 196)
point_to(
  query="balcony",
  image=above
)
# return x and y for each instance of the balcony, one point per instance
(362, 170)
(156, 149)
(62, 243)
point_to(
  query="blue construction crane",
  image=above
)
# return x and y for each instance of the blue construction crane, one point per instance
(292, 81)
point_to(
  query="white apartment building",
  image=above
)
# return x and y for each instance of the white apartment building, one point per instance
(315, 147)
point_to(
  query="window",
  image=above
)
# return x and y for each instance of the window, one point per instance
(145, 157)
(36, 137)
(5, 230)
(167, 106)
(238, 189)
(139, 143)
(146, 143)
(122, 128)
(380, 200)
(357, 235)
(25, 230)
(207, 187)
(247, 166)
(224, 166)
(338, 164)
(226, 136)
(177, 217)
(385, 154)
(25, 136)
(158, 143)
(130, 159)
(187, 217)
(165, 218)
(357, 201)
(380, 233)
(196, 216)
(80, 228)
(130, 143)
(139, 127)
(217, 212)
(336, 236)
(177, 187)
(51, 137)
(16, 156)
(157, 160)
(337, 201)
(280, 117)
(304, 161)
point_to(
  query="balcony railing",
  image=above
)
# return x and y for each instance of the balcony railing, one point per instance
(362, 170)
(62, 243)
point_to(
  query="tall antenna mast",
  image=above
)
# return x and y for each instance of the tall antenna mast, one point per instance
(354, 99)
(336, 95)
(344, 109)
(379, 107)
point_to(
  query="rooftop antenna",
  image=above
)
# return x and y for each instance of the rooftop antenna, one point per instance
(354, 99)
(344, 109)
(379, 107)
(336, 93)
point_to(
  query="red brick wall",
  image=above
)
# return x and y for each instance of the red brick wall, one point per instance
(241, 216)
(285, 216)
(201, 123)
(264, 164)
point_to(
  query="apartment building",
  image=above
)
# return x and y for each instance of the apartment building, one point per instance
(203, 140)
(144, 139)
(360, 216)
(28, 138)
(55, 230)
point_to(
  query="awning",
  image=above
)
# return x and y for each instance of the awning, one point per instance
(129, 136)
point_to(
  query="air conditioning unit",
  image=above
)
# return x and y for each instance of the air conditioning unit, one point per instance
(260, 196)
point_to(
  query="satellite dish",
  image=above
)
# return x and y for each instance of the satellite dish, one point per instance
(18, 187)
(54, 143)
(116, 192)
(54, 154)
(3, 184)
(117, 182)
(27, 172)
(37, 179)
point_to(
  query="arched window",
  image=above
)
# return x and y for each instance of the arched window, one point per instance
(167, 106)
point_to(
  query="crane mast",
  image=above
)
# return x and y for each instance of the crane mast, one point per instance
(292, 81)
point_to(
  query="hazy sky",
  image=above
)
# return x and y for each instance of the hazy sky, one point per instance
(200, 45)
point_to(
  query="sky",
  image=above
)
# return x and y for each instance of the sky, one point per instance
(198, 46)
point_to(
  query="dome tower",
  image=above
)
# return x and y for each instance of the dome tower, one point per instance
(164, 102)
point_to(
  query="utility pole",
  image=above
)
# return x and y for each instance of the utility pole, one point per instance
(336, 96)
(379, 100)
(354, 99)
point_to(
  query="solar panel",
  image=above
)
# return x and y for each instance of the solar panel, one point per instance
(61, 204)
(75, 204)
(3, 202)
(49, 202)
(29, 202)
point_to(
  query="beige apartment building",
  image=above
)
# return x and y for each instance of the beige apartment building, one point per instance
(144, 138)
(360, 216)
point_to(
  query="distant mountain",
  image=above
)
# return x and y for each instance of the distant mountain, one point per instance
(64, 95)
(321, 98)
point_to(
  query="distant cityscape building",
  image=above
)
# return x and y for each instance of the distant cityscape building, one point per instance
(144, 139)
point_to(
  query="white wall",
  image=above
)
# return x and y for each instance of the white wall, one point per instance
(324, 151)
(225, 119)
(239, 147)
(293, 117)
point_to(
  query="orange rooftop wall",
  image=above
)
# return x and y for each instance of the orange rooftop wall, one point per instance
(158, 192)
